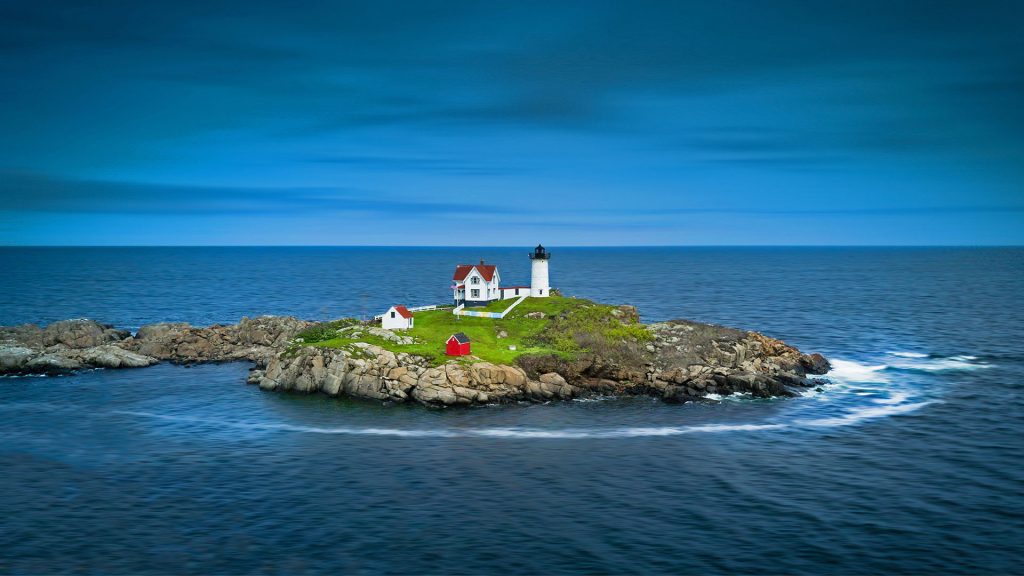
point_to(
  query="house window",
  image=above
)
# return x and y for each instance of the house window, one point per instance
(392, 314)
(475, 293)
(475, 280)
(517, 291)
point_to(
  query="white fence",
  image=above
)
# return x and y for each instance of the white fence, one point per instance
(413, 309)
(459, 311)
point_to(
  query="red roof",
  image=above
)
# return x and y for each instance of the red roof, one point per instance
(403, 311)
(511, 287)
(463, 270)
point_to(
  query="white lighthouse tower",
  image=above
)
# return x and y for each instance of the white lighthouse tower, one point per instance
(539, 275)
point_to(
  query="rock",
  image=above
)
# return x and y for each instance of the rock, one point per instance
(111, 356)
(434, 395)
(485, 374)
(52, 364)
(255, 339)
(26, 335)
(255, 375)
(13, 359)
(626, 312)
(513, 377)
(81, 334)
(160, 331)
(677, 395)
(358, 331)
(743, 382)
(552, 378)
(268, 330)
(816, 364)
(457, 374)
(536, 315)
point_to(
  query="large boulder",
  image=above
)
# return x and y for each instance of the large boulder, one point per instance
(111, 356)
(815, 363)
(13, 359)
(81, 334)
(51, 363)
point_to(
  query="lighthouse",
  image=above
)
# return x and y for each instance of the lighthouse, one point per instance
(539, 274)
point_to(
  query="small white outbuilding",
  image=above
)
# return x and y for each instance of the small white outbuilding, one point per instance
(397, 318)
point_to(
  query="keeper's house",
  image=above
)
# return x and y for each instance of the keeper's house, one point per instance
(476, 284)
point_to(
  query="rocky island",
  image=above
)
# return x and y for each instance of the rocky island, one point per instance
(546, 349)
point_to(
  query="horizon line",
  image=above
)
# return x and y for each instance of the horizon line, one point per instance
(7, 246)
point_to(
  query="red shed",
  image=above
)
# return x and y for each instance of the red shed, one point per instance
(457, 345)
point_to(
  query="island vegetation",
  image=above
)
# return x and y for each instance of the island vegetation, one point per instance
(558, 325)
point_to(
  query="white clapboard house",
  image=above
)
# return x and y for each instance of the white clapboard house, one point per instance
(476, 284)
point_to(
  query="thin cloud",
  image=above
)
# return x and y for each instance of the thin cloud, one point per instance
(36, 193)
(411, 164)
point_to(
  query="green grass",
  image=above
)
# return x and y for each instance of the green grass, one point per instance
(570, 326)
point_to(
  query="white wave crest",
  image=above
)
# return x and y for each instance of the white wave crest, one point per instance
(850, 371)
(569, 433)
(633, 432)
(894, 398)
(589, 399)
(941, 364)
(294, 427)
(856, 416)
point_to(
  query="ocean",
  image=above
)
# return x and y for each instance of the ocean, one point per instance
(909, 460)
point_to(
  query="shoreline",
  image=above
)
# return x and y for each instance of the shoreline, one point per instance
(683, 361)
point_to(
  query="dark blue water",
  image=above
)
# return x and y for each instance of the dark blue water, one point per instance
(911, 460)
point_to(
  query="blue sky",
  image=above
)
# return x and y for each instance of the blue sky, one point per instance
(486, 123)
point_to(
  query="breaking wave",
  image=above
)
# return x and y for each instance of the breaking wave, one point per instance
(857, 415)
(850, 371)
(928, 363)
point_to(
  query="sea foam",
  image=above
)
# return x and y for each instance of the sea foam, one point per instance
(857, 415)
(850, 371)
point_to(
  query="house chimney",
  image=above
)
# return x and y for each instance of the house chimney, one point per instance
(481, 261)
